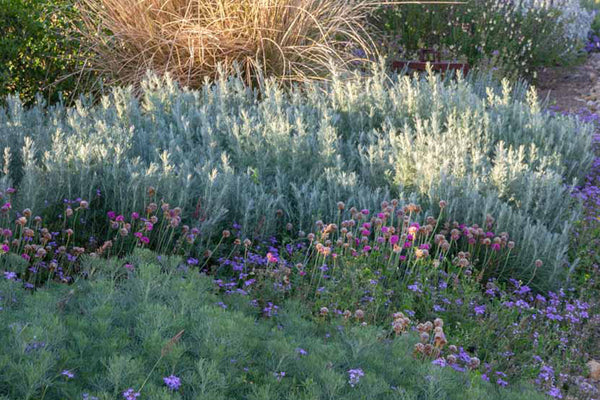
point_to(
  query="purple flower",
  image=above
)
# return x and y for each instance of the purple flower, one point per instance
(279, 375)
(479, 310)
(11, 276)
(301, 351)
(172, 382)
(554, 392)
(440, 362)
(354, 376)
(415, 288)
(131, 394)
(501, 382)
(68, 373)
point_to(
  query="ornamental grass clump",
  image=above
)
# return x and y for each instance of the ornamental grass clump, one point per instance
(192, 40)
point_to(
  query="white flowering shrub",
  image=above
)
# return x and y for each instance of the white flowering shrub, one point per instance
(514, 36)
(227, 153)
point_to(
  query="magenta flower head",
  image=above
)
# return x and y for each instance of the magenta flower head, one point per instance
(394, 239)
(271, 258)
(25, 257)
(381, 215)
(138, 235)
(149, 226)
(111, 215)
(120, 218)
(5, 248)
(364, 212)
(172, 382)
(145, 240)
(135, 215)
(367, 249)
(11, 190)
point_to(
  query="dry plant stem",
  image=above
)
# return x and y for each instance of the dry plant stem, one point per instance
(291, 40)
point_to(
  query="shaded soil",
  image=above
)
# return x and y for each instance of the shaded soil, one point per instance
(572, 88)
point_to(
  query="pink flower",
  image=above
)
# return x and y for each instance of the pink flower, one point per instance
(138, 235)
(5, 248)
(120, 218)
(495, 246)
(394, 239)
(145, 240)
(365, 212)
(271, 258)
(385, 229)
(25, 257)
(135, 215)
(366, 249)
(381, 215)
(365, 232)
(111, 215)
(11, 190)
(149, 226)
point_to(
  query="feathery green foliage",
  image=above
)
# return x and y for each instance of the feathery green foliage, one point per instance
(111, 330)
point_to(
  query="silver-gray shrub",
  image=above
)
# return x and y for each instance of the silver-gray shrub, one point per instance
(228, 153)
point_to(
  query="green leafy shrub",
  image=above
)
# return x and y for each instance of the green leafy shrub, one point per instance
(515, 36)
(37, 52)
(129, 329)
(224, 155)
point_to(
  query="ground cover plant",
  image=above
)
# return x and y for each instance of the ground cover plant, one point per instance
(157, 331)
(224, 155)
(360, 272)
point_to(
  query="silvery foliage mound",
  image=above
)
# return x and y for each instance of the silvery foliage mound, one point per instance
(575, 18)
(228, 153)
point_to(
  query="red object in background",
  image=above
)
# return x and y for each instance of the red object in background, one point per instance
(432, 57)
